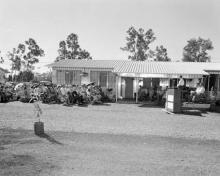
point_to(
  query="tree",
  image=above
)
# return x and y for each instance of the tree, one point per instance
(70, 49)
(63, 52)
(138, 42)
(25, 54)
(31, 52)
(196, 50)
(1, 58)
(15, 57)
(160, 54)
(83, 54)
(73, 45)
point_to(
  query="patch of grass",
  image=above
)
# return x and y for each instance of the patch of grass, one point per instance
(20, 165)
(17, 164)
(7, 141)
(15, 160)
(11, 136)
(30, 141)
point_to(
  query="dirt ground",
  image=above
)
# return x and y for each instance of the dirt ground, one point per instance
(114, 139)
(112, 119)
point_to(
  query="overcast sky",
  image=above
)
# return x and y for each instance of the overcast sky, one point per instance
(102, 24)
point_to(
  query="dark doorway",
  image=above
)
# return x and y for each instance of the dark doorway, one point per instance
(210, 82)
(128, 88)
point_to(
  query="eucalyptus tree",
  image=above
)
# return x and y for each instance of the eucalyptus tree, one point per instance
(196, 50)
(137, 43)
(70, 49)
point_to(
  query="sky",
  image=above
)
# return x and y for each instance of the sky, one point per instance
(101, 25)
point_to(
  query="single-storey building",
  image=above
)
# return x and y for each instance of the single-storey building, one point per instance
(125, 76)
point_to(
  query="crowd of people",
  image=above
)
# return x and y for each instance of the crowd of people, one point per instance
(51, 93)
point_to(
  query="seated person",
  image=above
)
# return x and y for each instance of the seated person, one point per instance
(213, 93)
(199, 91)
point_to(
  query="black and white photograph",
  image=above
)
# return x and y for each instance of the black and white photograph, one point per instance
(109, 88)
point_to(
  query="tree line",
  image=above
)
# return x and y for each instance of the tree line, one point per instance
(138, 42)
(138, 46)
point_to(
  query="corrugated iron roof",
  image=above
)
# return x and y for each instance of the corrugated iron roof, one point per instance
(84, 63)
(142, 67)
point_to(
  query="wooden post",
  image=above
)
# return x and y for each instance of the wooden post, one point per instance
(39, 128)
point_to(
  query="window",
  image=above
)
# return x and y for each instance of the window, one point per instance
(59, 77)
(111, 80)
(68, 77)
(94, 77)
(103, 79)
(76, 77)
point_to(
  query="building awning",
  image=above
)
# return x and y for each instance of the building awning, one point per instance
(216, 72)
(159, 69)
(172, 76)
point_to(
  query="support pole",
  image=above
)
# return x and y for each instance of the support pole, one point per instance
(208, 82)
(116, 89)
(107, 80)
(136, 90)
(218, 83)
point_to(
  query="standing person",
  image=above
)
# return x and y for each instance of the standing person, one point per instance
(180, 84)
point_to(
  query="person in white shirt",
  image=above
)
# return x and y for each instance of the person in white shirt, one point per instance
(180, 83)
(199, 91)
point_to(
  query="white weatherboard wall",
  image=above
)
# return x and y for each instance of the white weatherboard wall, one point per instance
(54, 76)
(60, 77)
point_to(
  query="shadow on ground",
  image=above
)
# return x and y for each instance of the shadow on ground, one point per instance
(86, 105)
(50, 139)
(194, 112)
(150, 106)
(101, 104)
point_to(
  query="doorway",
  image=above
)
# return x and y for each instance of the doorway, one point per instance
(128, 87)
